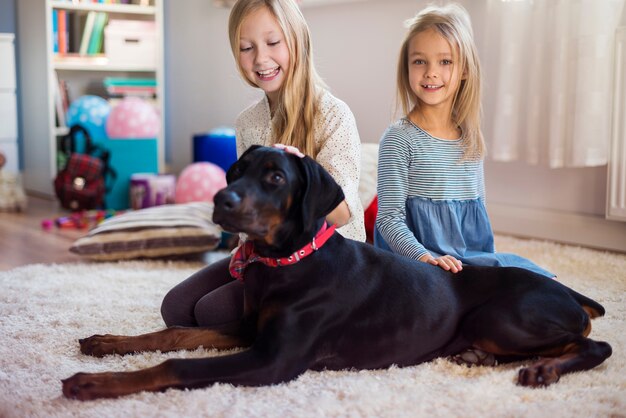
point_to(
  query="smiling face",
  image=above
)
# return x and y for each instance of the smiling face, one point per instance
(434, 75)
(263, 52)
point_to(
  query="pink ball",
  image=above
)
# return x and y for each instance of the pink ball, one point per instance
(199, 182)
(133, 118)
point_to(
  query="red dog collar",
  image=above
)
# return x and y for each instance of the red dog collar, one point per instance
(245, 254)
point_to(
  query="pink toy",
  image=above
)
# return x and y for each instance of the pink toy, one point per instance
(148, 189)
(199, 182)
(133, 117)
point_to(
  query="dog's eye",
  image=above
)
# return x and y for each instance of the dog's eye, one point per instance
(276, 177)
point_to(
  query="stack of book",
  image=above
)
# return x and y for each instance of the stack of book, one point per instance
(122, 87)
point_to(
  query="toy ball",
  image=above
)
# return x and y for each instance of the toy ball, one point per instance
(199, 182)
(91, 112)
(133, 118)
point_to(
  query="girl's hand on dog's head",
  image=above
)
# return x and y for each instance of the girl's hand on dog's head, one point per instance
(290, 149)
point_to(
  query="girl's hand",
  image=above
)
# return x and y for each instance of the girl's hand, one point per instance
(340, 215)
(290, 149)
(446, 262)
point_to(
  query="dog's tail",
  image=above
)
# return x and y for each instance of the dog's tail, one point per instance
(593, 308)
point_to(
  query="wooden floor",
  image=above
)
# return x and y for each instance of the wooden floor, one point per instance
(24, 241)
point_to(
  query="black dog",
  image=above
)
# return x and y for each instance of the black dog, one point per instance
(314, 300)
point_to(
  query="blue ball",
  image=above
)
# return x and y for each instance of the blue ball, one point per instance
(90, 112)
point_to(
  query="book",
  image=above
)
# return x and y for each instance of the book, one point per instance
(131, 91)
(62, 28)
(75, 25)
(95, 41)
(87, 31)
(129, 82)
(58, 102)
(55, 31)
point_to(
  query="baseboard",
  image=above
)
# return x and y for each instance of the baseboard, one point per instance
(565, 227)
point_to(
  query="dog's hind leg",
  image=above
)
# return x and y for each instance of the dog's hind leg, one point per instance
(555, 332)
(582, 354)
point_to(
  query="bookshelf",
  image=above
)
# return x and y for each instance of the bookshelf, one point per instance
(8, 106)
(43, 63)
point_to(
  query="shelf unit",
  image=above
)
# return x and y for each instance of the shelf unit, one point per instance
(40, 67)
(8, 106)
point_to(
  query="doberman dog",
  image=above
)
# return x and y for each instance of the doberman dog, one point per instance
(315, 300)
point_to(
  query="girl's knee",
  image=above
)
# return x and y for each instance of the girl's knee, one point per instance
(223, 305)
(174, 310)
(180, 302)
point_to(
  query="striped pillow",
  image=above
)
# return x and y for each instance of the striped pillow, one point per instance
(160, 231)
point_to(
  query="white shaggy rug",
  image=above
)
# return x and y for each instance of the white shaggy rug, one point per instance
(44, 309)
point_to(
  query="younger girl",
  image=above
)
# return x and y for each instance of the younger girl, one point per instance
(431, 192)
(271, 44)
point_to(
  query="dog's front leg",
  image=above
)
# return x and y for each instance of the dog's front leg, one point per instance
(88, 386)
(169, 339)
(248, 368)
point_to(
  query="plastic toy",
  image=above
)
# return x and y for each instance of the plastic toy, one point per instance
(79, 220)
(133, 118)
(199, 182)
(91, 112)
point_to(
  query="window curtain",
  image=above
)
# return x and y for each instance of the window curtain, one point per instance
(548, 76)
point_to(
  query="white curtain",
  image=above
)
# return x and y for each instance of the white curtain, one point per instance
(548, 76)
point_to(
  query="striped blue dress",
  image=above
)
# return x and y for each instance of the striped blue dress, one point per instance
(432, 201)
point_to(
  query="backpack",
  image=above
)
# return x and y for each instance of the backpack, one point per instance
(81, 184)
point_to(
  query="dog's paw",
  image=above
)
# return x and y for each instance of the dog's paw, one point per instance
(475, 357)
(538, 374)
(89, 386)
(102, 345)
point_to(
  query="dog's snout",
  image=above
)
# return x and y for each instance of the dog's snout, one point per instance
(227, 200)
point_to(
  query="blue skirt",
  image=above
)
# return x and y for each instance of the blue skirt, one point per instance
(459, 228)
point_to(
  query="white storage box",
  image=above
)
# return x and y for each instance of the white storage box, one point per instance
(131, 42)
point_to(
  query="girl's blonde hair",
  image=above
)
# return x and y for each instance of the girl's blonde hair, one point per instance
(453, 23)
(298, 104)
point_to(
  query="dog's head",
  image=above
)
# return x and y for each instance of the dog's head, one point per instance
(278, 199)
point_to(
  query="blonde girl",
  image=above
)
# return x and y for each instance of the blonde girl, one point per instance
(271, 45)
(431, 189)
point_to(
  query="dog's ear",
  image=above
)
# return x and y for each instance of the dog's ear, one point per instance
(321, 193)
(236, 169)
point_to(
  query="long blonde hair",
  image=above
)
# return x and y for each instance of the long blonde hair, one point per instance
(298, 103)
(453, 23)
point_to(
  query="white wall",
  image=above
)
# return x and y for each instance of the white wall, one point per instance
(356, 46)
